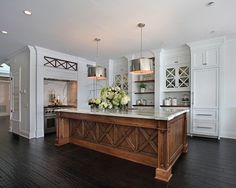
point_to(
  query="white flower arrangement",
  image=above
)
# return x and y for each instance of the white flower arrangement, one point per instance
(110, 98)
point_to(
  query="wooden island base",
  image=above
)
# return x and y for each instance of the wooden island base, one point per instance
(156, 143)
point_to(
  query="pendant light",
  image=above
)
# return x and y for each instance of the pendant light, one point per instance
(97, 72)
(141, 65)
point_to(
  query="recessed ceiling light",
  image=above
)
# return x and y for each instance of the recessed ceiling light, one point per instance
(212, 32)
(211, 3)
(27, 12)
(4, 32)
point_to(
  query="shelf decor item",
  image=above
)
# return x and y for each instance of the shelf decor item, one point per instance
(142, 87)
(111, 98)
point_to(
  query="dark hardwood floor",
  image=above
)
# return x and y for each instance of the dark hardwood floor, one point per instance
(38, 163)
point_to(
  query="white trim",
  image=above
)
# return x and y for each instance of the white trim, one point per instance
(32, 92)
(40, 133)
(184, 50)
(225, 134)
(26, 134)
(206, 43)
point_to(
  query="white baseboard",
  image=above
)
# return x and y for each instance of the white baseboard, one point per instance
(231, 135)
(39, 133)
(25, 134)
(32, 134)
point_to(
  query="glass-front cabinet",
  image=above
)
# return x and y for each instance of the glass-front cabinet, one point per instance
(177, 78)
(121, 80)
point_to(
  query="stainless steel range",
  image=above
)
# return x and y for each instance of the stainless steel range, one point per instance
(50, 117)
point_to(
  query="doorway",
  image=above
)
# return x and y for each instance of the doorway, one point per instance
(4, 96)
(4, 90)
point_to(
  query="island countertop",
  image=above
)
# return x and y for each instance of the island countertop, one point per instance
(157, 114)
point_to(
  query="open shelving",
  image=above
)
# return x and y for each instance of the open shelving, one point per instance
(143, 81)
(143, 105)
(146, 92)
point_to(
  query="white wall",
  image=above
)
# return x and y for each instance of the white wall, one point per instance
(228, 98)
(117, 66)
(21, 60)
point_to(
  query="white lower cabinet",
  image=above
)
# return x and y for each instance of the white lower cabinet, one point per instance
(205, 114)
(204, 122)
(204, 128)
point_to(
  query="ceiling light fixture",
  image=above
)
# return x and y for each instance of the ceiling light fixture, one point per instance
(212, 3)
(141, 65)
(27, 12)
(97, 72)
(4, 32)
(212, 32)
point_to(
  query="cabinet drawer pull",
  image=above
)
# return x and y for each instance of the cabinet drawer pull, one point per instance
(176, 62)
(204, 127)
(204, 115)
(204, 63)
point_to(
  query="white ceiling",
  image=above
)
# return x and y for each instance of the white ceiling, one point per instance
(71, 25)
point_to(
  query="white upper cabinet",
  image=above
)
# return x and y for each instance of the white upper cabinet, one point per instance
(203, 58)
(205, 88)
(212, 57)
(177, 77)
(176, 70)
(177, 59)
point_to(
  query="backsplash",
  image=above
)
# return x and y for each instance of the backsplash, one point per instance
(178, 95)
(59, 88)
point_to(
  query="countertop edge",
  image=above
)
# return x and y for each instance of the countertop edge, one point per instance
(153, 117)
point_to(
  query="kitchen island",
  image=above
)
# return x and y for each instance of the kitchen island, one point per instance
(155, 138)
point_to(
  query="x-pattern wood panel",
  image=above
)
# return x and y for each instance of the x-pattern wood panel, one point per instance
(89, 131)
(106, 134)
(150, 139)
(132, 139)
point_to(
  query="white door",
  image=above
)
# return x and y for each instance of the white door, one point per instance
(15, 117)
(205, 58)
(211, 57)
(205, 88)
(197, 58)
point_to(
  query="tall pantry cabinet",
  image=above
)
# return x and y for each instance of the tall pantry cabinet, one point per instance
(206, 61)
